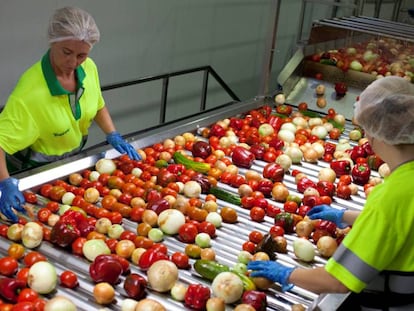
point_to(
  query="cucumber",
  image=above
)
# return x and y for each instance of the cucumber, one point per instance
(200, 167)
(225, 196)
(209, 269)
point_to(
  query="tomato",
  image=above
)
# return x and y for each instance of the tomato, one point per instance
(8, 266)
(255, 236)
(6, 306)
(39, 304)
(343, 191)
(45, 190)
(269, 156)
(22, 274)
(207, 227)
(144, 242)
(160, 247)
(335, 133)
(30, 197)
(16, 250)
(115, 217)
(247, 202)
(27, 294)
(32, 257)
(180, 259)
(276, 231)
(52, 206)
(56, 193)
(228, 214)
(273, 210)
(303, 106)
(261, 202)
(77, 246)
(304, 209)
(3, 230)
(68, 279)
(346, 179)
(187, 232)
(23, 306)
(257, 214)
(290, 206)
(43, 214)
(249, 247)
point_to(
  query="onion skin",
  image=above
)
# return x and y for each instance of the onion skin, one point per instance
(32, 234)
(162, 275)
(228, 286)
(60, 303)
(149, 304)
(42, 277)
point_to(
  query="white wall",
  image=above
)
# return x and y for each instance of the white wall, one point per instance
(142, 38)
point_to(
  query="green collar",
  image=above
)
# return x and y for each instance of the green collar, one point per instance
(53, 83)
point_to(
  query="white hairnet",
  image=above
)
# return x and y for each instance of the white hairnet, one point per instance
(70, 23)
(385, 110)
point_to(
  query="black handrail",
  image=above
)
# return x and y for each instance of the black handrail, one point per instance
(166, 78)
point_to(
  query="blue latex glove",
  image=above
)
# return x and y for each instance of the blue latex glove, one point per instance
(271, 270)
(328, 213)
(116, 140)
(11, 197)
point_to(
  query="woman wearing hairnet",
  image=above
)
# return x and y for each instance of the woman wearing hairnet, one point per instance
(48, 114)
(375, 261)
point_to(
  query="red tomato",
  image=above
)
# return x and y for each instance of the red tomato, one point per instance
(23, 306)
(3, 230)
(276, 231)
(27, 294)
(45, 190)
(43, 214)
(269, 156)
(290, 206)
(30, 197)
(68, 279)
(247, 202)
(160, 247)
(39, 304)
(303, 106)
(257, 214)
(207, 227)
(22, 274)
(255, 236)
(180, 259)
(249, 247)
(52, 206)
(8, 266)
(273, 210)
(343, 192)
(188, 232)
(77, 246)
(32, 257)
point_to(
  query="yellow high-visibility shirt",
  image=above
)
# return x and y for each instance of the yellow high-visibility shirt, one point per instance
(381, 239)
(44, 117)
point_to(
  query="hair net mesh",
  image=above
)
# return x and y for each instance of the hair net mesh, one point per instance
(70, 23)
(385, 110)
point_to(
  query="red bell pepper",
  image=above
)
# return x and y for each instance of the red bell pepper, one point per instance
(341, 167)
(63, 233)
(275, 121)
(176, 169)
(242, 157)
(105, 268)
(274, 172)
(258, 150)
(367, 148)
(196, 296)
(325, 188)
(284, 109)
(361, 173)
(150, 256)
(330, 148)
(217, 130)
(265, 110)
(10, 288)
(357, 152)
(326, 225)
(265, 186)
(257, 299)
(305, 183)
(236, 123)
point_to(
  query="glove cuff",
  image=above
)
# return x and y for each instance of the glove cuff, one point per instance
(284, 279)
(8, 181)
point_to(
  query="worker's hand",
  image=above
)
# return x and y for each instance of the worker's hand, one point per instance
(11, 197)
(271, 270)
(328, 213)
(116, 140)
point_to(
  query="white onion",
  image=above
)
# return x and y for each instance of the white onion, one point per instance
(42, 277)
(315, 121)
(288, 126)
(319, 131)
(128, 304)
(294, 153)
(286, 135)
(284, 161)
(326, 245)
(300, 122)
(105, 166)
(148, 304)
(192, 189)
(384, 170)
(228, 286)
(170, 221)
(162, 275)
(60, 303)
(95, 247)
(178, 291)
(304, 249)
(32, 234)
(215, 218)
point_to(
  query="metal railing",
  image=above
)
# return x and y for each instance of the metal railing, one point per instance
(208, 70)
